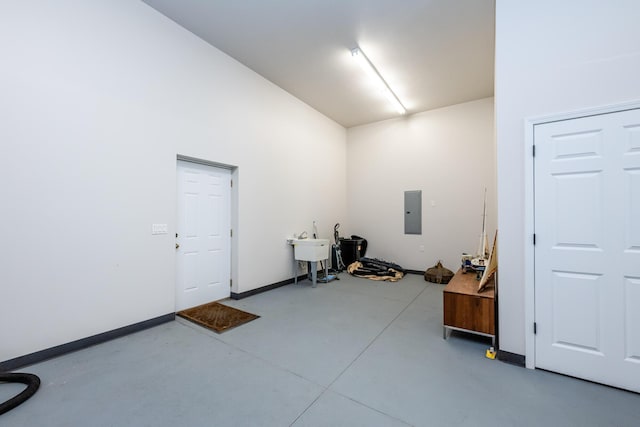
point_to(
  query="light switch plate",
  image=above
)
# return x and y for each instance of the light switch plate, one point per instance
(159, 229)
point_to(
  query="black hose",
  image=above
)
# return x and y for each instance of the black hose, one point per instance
(32, 382)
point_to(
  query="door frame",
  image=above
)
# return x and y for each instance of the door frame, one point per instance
(529, 210)
(233, 206)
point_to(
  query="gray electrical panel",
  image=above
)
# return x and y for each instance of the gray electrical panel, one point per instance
(413, 212)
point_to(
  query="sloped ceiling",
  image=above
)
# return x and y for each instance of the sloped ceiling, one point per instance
(433, 53)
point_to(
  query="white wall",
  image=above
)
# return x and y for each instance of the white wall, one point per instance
(551, 57)
(98, 98)
(447, 153)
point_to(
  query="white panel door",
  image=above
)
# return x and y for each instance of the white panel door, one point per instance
(587, 252)
(203, 243)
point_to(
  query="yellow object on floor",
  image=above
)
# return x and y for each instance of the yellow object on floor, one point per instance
(491, 353)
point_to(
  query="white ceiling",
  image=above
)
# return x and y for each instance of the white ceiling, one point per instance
(432, 53)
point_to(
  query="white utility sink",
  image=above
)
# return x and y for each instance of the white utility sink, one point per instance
(310, 249)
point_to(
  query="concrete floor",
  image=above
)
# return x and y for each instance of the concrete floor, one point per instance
(349, 353)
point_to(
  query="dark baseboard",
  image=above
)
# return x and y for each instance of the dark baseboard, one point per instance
(49, 353)
(266, 288)
(511, 358)
(414, 272)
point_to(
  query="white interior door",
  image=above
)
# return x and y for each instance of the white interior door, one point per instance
(203, 243)
(587, 252)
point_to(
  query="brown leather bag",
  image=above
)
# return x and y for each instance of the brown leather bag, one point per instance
(438, 274)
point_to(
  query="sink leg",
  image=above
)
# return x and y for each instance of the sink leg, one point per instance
(314, 274)
(295, 267)
(326, 270)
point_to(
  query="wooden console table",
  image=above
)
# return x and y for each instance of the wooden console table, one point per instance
(467, 310)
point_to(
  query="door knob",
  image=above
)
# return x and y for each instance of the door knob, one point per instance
(177, 245)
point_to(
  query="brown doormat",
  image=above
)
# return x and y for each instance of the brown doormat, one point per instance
(216, 316)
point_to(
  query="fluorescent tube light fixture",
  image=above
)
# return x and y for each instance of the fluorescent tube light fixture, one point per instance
(371, 70)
